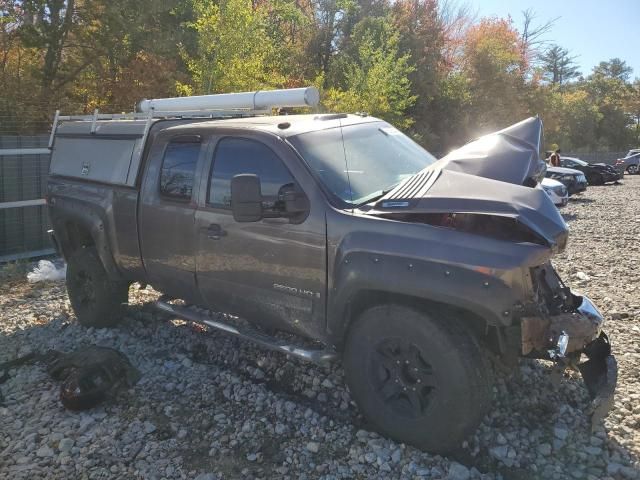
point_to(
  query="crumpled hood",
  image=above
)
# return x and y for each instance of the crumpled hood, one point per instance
(445, 186)
(510, 155)
(445, 191)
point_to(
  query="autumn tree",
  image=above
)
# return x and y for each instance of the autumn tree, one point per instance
(493, 66)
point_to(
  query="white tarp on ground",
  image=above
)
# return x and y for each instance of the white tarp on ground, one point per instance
(47, 271)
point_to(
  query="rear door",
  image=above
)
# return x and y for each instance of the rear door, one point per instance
(272, 271)
(167, 213)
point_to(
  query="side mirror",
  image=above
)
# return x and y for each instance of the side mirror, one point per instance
(246, 198)
(296, 203)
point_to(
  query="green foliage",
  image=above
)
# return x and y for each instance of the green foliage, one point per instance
(234, 51)
(425, 65)
(376, 77)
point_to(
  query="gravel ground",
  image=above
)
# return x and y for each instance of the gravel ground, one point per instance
(209, 406)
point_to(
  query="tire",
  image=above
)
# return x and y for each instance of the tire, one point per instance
(391, 350)
(97, 300)
(632, 169)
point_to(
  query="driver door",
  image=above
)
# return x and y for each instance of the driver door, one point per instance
(270, 271)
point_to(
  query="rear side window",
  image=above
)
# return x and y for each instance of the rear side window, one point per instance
(178, 167)
(235, 156)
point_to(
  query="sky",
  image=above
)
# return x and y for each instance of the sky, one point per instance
(592, 30)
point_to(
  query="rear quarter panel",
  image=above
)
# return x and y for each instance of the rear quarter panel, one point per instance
(109, 212)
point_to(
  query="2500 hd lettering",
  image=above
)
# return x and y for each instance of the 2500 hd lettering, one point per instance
(418, 274)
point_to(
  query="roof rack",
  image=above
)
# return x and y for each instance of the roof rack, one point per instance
(220, 106)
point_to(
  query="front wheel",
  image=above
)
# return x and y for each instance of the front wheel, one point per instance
(96, 299)
(632, 169)
(418, 379)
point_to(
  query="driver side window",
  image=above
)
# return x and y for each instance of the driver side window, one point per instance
(235, 156)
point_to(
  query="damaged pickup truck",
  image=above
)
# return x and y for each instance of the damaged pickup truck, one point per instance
(420, 275)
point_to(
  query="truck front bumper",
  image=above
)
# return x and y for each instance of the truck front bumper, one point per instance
(564, 338)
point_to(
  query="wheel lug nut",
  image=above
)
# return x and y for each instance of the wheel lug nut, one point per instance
(398, 362)
(415, 369)
(419, 381)
(406, 362)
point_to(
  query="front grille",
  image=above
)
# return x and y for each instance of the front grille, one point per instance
(582, 179)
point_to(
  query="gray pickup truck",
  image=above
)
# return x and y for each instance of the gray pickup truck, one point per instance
(421, 275)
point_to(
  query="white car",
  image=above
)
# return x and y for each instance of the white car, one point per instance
(557, 191)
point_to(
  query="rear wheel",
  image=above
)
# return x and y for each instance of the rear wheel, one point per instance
(632, 169)
(96, 299)
(418, 379)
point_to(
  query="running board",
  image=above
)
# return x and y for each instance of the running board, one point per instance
(311, 355)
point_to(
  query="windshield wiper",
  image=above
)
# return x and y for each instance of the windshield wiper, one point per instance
(378, 195)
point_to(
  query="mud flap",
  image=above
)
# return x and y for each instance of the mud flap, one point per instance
(600, 374)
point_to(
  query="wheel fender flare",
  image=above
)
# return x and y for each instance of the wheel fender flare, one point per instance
(91, 218)
(485, 295)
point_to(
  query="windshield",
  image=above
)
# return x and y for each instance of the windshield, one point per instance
(358, 163)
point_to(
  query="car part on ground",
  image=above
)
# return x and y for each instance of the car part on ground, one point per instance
(328, 231)
(89, 375)
(557, 191)
(574, 180)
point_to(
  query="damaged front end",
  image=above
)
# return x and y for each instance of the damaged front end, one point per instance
(562, 326)
(488, 189)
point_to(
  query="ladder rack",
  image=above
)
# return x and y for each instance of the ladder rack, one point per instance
(218, 106)
(150, 117)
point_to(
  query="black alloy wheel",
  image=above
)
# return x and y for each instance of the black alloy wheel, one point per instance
(420, 377)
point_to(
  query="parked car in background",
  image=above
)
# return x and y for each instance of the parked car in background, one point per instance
(632, 152)
(574, 180)
(631, 163)
(596, 173)
(558, 193)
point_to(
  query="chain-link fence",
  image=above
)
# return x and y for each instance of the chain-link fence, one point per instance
(24, 164)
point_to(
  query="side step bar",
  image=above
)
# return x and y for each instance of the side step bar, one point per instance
(311, 355)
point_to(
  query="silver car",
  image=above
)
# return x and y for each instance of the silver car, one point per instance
(630, 163)
(557, 192)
